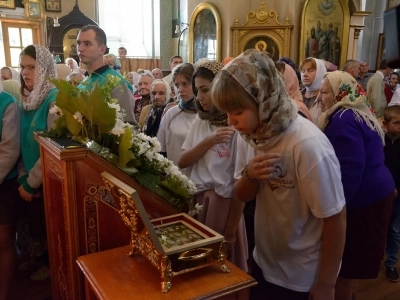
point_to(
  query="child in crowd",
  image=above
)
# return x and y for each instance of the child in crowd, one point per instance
(289, 165)
(392, 160)
(210, 149)
(39, 95)
(176, 121)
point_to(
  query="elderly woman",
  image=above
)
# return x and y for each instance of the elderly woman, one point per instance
(151, 114)
(312, 72)
(357, 138)
(290, 167)
(144, 85)
(112, 61)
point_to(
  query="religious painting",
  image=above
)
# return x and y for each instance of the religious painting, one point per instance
(325, 30)
(33, 9)
(381, 50)
(7, 3)
(262, 31)
(53, 5)
(264, 43)
(69, 44)
(205, 33)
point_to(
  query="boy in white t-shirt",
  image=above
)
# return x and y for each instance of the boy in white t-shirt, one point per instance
(288, 164)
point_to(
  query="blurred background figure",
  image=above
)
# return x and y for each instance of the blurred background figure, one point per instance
(112, 61)
(122, 52)
(8, 73)
(157, 73)
(75, 78)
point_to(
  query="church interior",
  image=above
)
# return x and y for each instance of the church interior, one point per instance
(89, 213)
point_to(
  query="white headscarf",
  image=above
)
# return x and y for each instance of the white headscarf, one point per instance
(319, 76)
(75, 67)
(45, 69)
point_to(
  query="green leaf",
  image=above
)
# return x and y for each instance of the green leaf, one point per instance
(60, 126)
(98, 112)
(125, 143)
(147, 179)
(175, 186)
(72, 124)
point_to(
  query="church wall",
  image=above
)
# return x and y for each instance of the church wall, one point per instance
(238, 9)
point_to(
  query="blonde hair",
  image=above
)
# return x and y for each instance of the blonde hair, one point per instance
(228, 95)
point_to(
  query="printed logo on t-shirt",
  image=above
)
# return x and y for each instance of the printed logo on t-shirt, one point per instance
(221, 150)
(279, 181)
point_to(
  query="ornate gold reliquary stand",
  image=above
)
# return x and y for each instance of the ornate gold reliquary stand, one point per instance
(175, 244)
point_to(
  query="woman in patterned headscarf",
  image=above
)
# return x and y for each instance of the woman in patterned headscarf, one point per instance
(9, 153)
(357, 137)
(210, 149)
(290, 167)
(39, 95)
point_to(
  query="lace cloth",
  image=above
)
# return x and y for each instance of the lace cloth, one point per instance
(45, 69)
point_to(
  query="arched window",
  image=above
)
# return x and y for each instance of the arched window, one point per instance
(132, 24)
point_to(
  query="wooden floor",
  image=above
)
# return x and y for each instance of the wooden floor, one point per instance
(376, 289)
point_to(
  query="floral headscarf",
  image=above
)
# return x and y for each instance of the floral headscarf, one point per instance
(45, 69)
(350, 95)
(255, 71)
(214, 116)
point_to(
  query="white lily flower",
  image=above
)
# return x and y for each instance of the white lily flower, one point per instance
(78, 116)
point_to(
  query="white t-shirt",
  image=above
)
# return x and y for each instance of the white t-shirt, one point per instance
(214, 170)
(174, 127)
(395, 98)
(291, 206)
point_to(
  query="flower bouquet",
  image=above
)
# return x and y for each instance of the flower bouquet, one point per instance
(95, 119)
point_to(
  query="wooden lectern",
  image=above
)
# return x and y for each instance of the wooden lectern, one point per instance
(81, 214)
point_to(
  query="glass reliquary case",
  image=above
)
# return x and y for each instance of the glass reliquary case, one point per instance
(175, 244)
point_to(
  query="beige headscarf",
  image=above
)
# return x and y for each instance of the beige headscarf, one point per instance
(255, 71)
(350, 95)
(45, 70)
(214, 116)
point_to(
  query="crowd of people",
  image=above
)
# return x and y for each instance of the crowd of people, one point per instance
(314, 147)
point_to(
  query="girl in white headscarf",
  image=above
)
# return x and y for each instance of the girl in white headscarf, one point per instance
(9, 153)
(289, 165)
(39, 95)
(312, 73)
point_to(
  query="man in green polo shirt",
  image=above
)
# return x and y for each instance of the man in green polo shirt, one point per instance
(92, 43)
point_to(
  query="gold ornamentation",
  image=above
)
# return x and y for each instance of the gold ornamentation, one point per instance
(62, 281)
(142, 242)
(262, 25)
